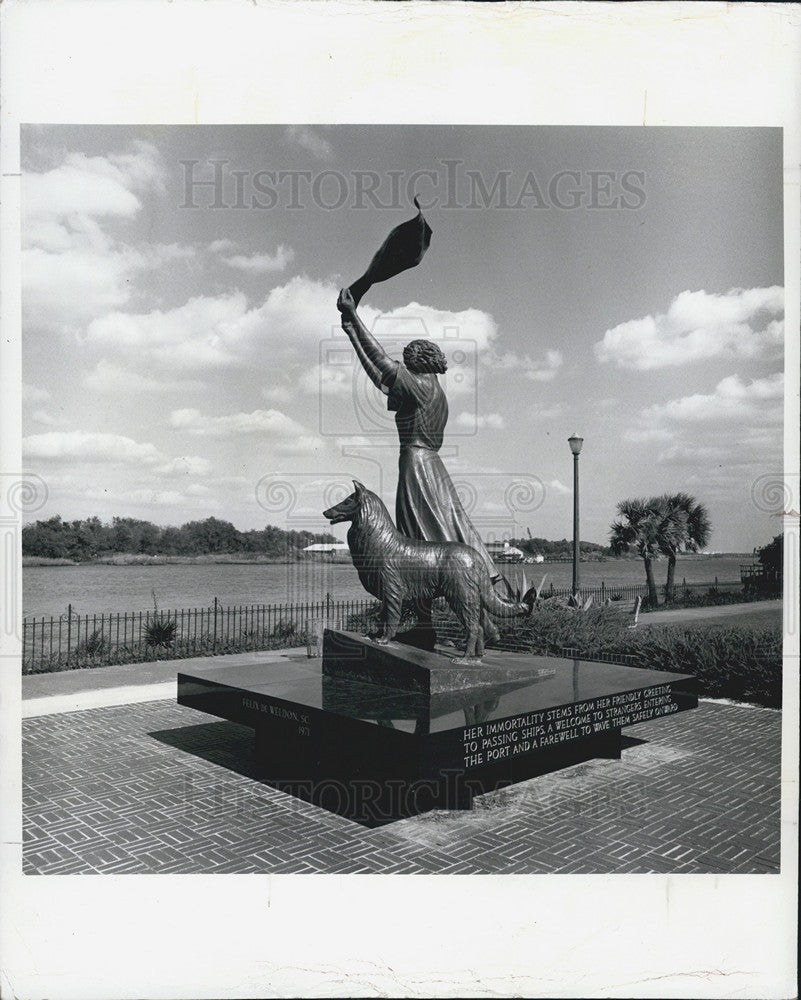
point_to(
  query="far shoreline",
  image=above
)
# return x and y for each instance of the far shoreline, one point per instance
(145, 560)
(229, 559)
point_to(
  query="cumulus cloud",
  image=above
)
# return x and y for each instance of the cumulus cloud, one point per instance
(283, 430)
(300, 315)
(467, 330)
(204, 332)
(281, 393)
(186, 465)
(736, 425)
(107, 376)
(542, 411)
(698, 326)
(328, 380)
(544, 369)
(173, 498)
(92, 186)
(492, 421)
(45, 419)
(95, 447)
(262, 263)
(306, 444)
(72, 268)
(33, 394)
(89, 447)
(310, 139)
(222, 246)
(284, 435)
(295, 315)
(640, 435)
(733, 401)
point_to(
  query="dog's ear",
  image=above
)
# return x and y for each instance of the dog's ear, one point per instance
(358, 487)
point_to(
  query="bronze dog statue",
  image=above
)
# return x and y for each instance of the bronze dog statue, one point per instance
(394, 568)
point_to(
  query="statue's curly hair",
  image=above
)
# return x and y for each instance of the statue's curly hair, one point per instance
(421, 356)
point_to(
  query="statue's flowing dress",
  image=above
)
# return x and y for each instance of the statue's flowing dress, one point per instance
(427, 505)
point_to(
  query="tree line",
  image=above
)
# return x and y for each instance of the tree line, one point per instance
(82, 541)
(562, 549)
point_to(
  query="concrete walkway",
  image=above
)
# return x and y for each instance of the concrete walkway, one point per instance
(726, 615)
(127, 684)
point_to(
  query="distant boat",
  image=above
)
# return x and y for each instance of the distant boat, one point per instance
(333, 551)
(503, 552)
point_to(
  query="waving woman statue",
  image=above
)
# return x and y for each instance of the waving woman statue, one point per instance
(427, 506)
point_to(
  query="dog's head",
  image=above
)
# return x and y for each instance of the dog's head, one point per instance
(349, 508)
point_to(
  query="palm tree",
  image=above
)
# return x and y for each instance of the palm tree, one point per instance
(642, 529)
(691, 530)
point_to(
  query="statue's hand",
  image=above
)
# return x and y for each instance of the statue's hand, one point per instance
(345, 302)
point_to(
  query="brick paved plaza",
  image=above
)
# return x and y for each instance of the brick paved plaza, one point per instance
(155, 787)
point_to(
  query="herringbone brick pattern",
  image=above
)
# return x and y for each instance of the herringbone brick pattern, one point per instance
(153, 788)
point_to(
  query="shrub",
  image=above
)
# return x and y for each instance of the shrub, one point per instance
(91, 647)
(160, 632)
(284, 630)
(553, 626)
(742, 663)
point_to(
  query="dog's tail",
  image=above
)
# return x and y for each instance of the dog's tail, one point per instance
(501, 608)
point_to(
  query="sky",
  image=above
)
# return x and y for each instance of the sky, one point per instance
(182, 356)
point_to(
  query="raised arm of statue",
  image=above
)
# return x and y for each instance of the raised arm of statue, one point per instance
(374, 359)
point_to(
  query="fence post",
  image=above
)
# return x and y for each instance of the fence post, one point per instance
(603, 590)
(214, 632)
(69, 631)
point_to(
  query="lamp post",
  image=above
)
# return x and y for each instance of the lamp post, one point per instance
(575, 443)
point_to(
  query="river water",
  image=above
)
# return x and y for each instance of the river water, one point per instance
(95, 589)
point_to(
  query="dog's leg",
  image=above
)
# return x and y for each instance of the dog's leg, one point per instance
(393, 603)
(472, 653)
(422, 634)
(465, 602)
(488, 627)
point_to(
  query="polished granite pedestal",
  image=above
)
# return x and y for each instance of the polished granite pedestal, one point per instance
(346, 735)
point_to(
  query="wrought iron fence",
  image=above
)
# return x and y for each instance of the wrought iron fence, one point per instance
(70, 640)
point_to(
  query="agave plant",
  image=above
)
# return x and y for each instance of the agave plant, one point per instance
(523, 594)
(160, 632)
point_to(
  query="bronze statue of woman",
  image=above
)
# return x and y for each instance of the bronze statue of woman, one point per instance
(427, 505)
